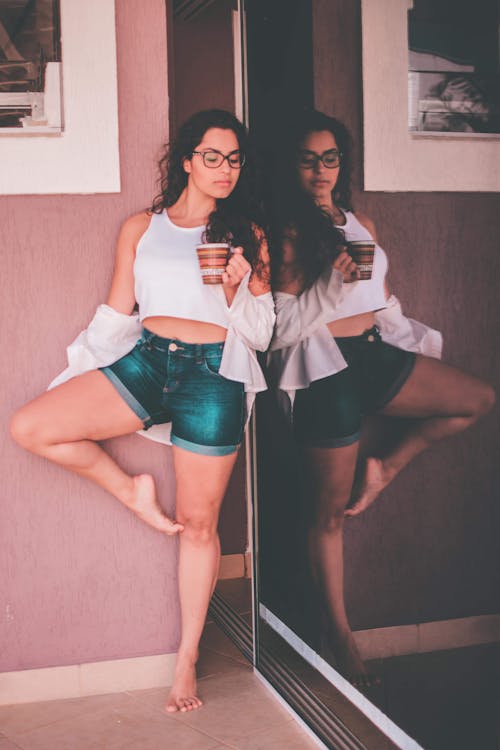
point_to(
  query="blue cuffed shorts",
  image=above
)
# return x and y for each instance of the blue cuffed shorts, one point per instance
(167, 380)
(330, 412)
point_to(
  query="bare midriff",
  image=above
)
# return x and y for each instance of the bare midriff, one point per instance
(354, 325)
(190, 331)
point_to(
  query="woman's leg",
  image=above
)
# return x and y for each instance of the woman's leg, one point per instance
(332, 471)
(201, 484)
(63, 425)
(443, 401)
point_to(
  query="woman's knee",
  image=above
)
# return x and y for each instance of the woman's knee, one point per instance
(489, 398)
(24, 429)
(484, 400)
(331, 520)
(200, 528)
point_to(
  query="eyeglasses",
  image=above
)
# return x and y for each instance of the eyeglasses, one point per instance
(213, 158)
(329, 159)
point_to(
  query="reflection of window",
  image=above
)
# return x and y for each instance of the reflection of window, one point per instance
(30, 60)
(454, 66)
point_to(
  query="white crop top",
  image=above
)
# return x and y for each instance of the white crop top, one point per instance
(167, 275)
(368, 295)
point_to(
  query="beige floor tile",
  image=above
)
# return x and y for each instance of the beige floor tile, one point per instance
(290, 736)
(23, 717)
(154, 697)
(237, 592)
(215, 640)
(135, 727)
(8, 745)
(236, 706)
(211, 663)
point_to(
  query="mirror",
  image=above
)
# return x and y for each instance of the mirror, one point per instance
(421, 591)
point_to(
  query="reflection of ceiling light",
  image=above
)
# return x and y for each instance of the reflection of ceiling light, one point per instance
(188, 9)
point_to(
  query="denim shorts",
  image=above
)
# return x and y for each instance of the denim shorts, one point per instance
(167, 380)
(330, 412)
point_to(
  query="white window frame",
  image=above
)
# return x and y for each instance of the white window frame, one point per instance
(84, 158)
(394, 158)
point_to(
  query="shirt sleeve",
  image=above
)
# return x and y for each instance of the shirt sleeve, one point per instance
(406, 333)
(297, 317)
(252, 317)
(109, 336)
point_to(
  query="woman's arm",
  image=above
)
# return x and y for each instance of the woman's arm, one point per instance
(300, 312)
(121, 295)
(249, 298)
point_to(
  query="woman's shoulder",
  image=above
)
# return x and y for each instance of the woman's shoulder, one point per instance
(134, 227)
(137, 222)
(131, 231)
(367, 223)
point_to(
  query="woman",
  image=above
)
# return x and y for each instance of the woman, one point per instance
(188, 368)
(331, 348)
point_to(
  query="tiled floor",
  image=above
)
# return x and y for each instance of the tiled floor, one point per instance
(239, 713)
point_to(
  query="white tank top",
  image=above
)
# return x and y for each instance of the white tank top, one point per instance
(368, 295)
(167, 275)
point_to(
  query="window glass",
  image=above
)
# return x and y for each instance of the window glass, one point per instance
(30, 66)
(454, 66)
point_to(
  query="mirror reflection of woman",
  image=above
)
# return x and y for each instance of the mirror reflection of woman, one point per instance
(334, 361)
(194, 354)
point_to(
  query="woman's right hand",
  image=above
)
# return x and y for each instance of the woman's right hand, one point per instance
(347, 267)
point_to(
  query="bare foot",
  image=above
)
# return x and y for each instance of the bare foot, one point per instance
(350, 665)
(145, 505)
(375, 478)
(182, 696)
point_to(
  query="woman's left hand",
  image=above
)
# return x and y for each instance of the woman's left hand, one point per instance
(236, 268)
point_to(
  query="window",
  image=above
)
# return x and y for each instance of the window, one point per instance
(30, 67)
(83, 157)
(454, 66)
(395, 157)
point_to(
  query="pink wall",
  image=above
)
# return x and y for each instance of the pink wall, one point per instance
(83, 579)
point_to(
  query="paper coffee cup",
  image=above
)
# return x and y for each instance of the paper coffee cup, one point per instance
(212, 257)
(362, 253)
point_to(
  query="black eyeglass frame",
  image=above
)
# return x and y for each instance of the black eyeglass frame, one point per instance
(225, 157)
(320, 158)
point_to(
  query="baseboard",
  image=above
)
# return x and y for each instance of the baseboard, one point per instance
(439, 635)
(79, 680)
(400, 640)
(118, 675)
(235, 566)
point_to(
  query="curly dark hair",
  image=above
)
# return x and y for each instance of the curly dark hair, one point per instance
(237, 219)
(294, 213)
